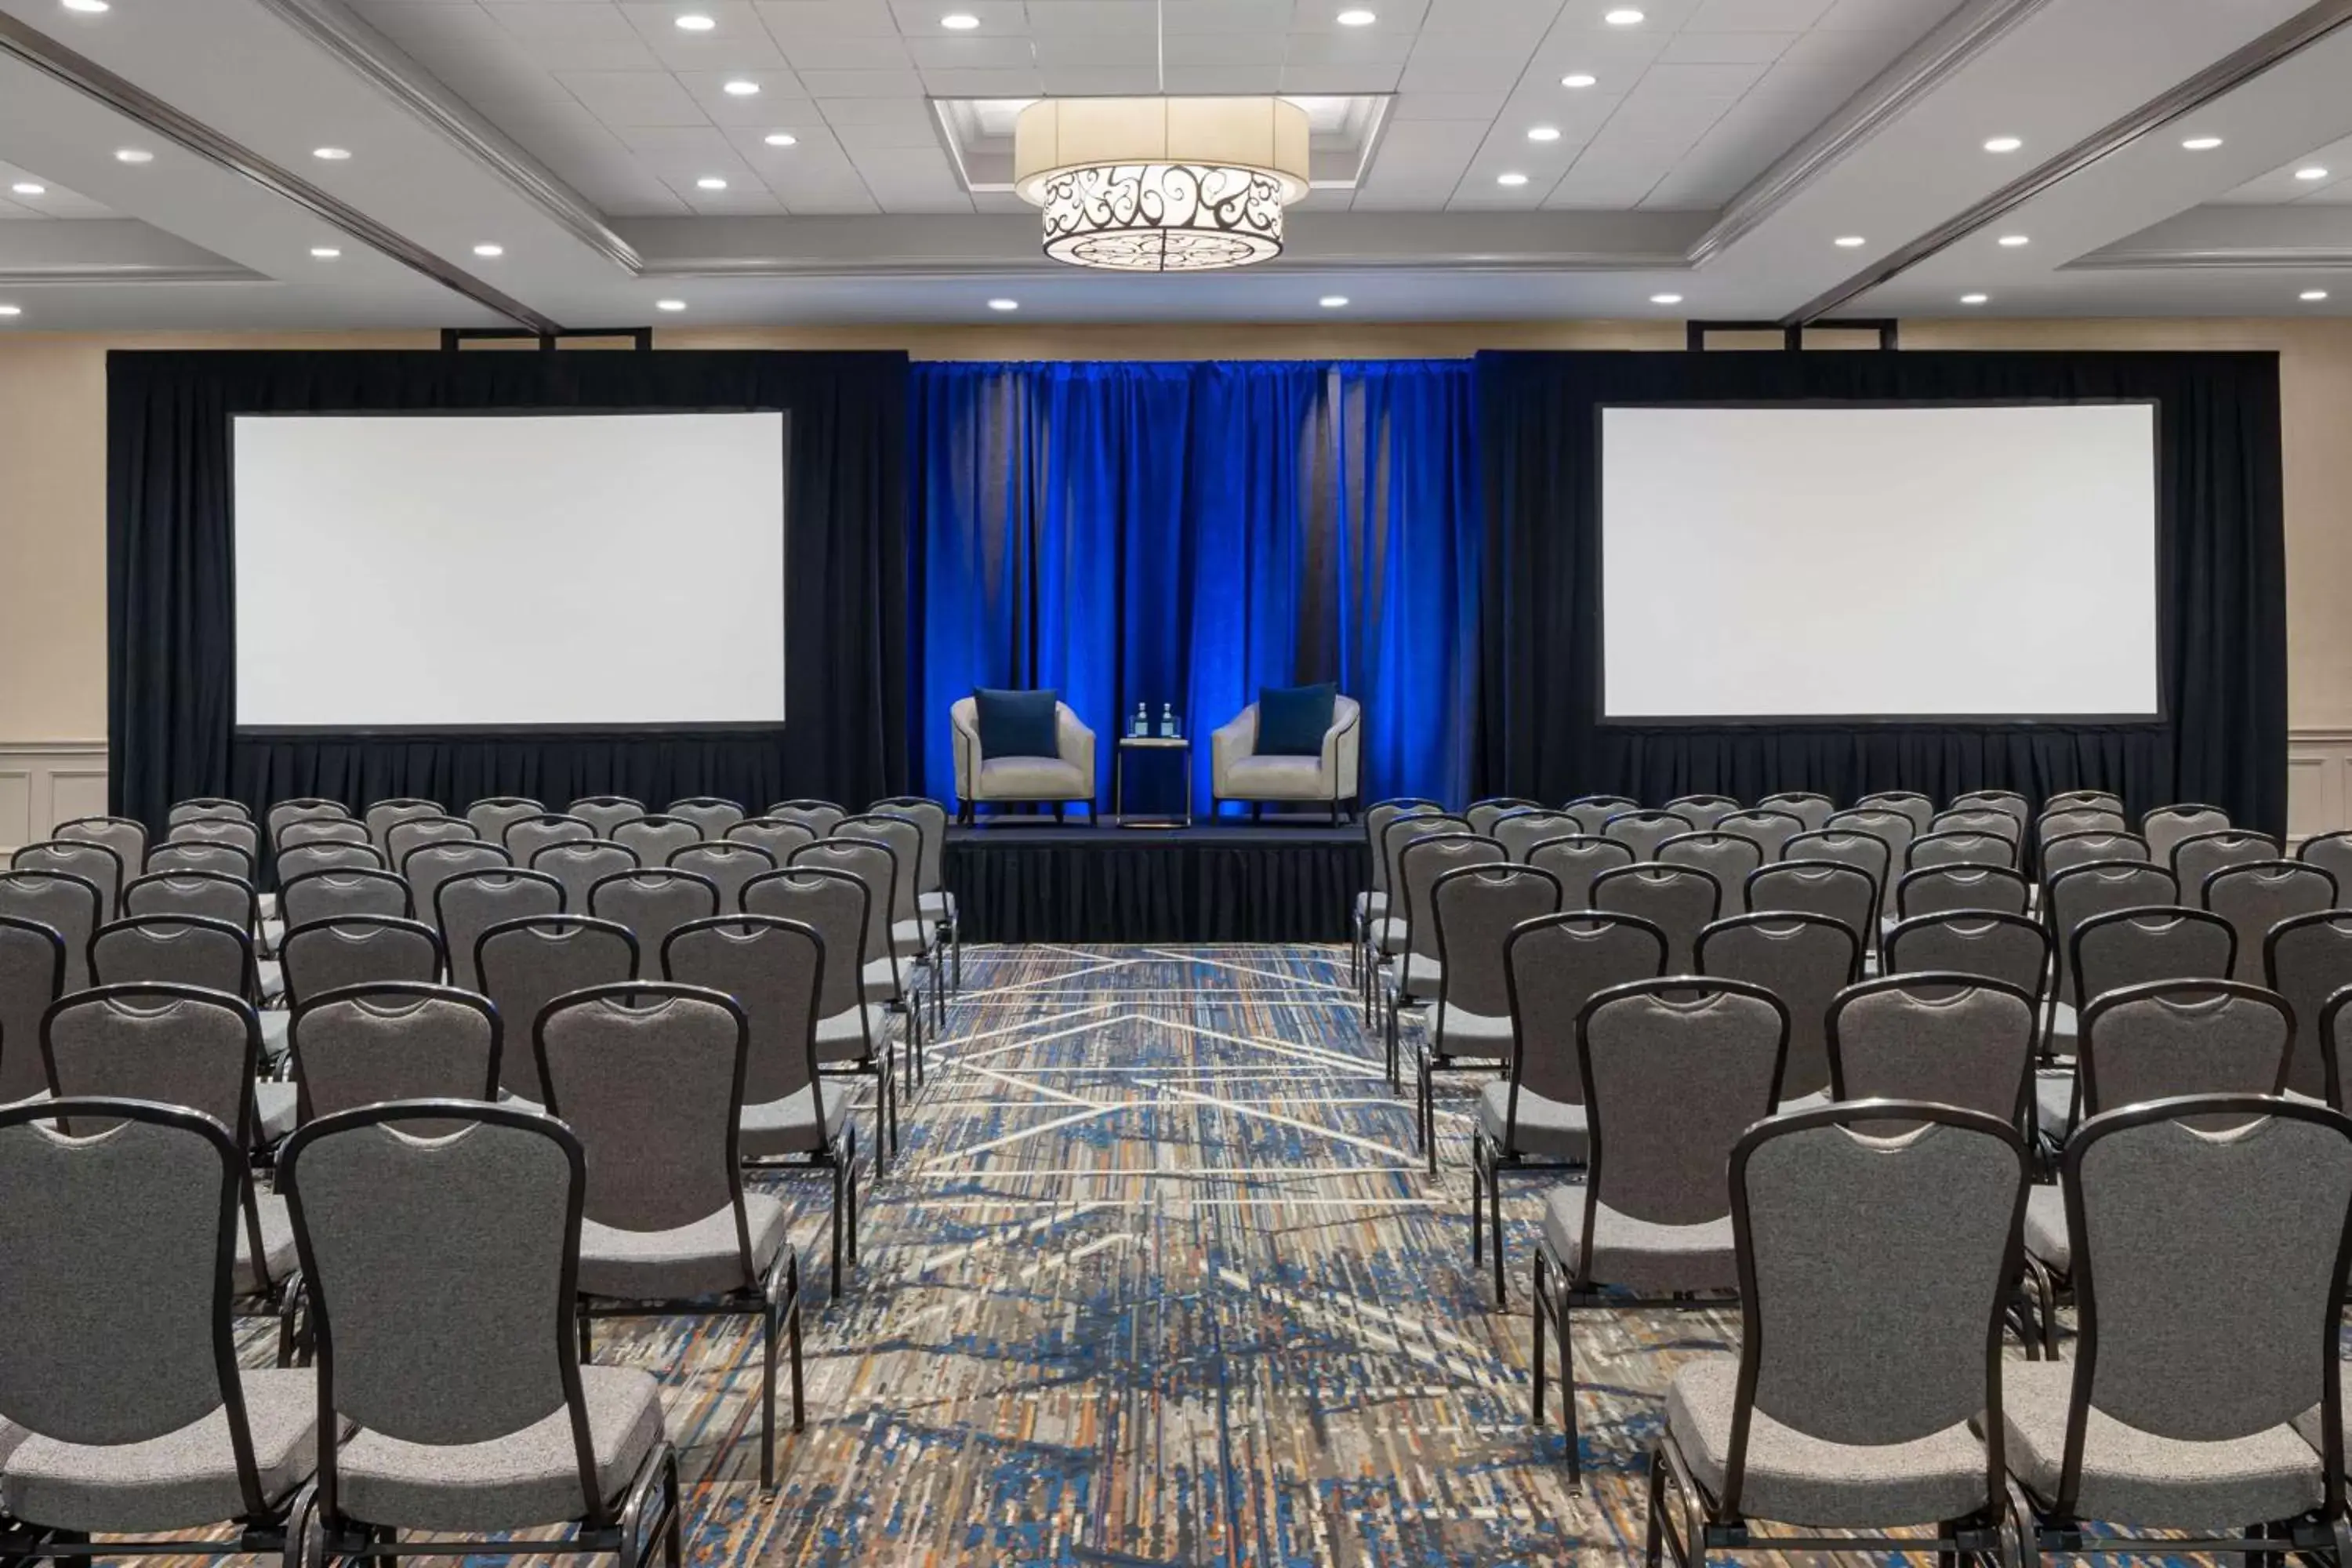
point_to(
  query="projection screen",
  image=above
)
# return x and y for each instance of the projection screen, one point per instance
(463, 572)
(1879, 562)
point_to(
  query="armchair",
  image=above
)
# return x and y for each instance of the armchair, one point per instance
(1030, 781)
(1239, 773)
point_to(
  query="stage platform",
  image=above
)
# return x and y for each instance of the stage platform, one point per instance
(1031, 881)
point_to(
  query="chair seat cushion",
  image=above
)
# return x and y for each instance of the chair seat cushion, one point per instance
(278, 1251)
(2045, 1226)
(1792, 1477)
(1810, 1101)
(879, 980)
(524, 1479)
(936, 906)
(911, 937)
(2135, 1477)
(272, 974)
(1389, 934)
(2054, 1101)
(1372, 906)
(276, 1103)
(843, 1037)
(704, 1258)
(1462, 1033)
(177, 1481)
(1015, 723)
(788, 1126)
(1546, 1130)
(1639, 1254)
(1032, 778)
(1292, 720)
(276, 1034)
(1275, 778)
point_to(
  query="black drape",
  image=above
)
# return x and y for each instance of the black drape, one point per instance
(170, 591)
(1199, 884)
(2221, 579)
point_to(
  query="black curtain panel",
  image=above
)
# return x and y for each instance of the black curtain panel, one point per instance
(170, 589)
(2221, 579)
(1030, 883)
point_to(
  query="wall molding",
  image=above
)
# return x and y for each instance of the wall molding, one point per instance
(44, 783)
(2318, 781)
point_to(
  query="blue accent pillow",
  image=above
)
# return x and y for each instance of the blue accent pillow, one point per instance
(1293, 720)
(1016, 724)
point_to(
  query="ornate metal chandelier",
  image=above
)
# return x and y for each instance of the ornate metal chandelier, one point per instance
(1162, 185)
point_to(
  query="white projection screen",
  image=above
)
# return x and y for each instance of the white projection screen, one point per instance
(1879, 562)
(447, 572)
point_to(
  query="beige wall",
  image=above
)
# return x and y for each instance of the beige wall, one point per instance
(53, 457)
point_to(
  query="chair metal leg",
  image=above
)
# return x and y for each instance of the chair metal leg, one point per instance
(793, 1325)
(673, 1534)
(1536, 1355)
(1567, 1382)
(839, 1169)
(849, 1176)
(768, 1400)
(1477, 1215)
(1428, 1109)
(1495, 1211)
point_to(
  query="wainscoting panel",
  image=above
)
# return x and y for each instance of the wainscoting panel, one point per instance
(44, 783)
(2319, 782)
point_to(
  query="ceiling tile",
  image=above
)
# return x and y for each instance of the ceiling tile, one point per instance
(796, 21)
(901, 111)
(1140, 18)
(1411, 104)
(1219, 80)
(1025, 83)
(1078, 81)
(1347, 49)
(1403, 17)
(950, 52)
(850, 53)
(738, 42)
(574, 37)
(1751, 15)
(635, 97)
(1327, 80)
(1228, 16)
(920, 18)
(823, 84)
(1724, 48)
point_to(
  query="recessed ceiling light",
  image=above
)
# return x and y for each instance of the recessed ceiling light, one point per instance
(1974, 299)
(741, 88)
(2312, 294)
(2014, 240)
(959, 21)
(2314, 172)
(87, 7)
(1543, 132)
(695, 22)
(1332, 302)
(29, 188)
(332, 154)
(1849, 242)
(1579, 79)
(11, 309)
(710, 183)
(1510, 179)
(133, 155)
(2201, 144)
(669, 304)
(1356, 18)
(1665, 299)
(2003, 144)
(1624, 17)
(783, 139)
(1005, 304)
(489, 250)
(324, 252)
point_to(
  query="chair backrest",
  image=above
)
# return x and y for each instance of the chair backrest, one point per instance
(1725, 857)
(652, 839)
(2132, 947)
(652, 902)
(2007, 802)
(1575, 859)
(196, 808)
(324, 895)
(580, 864)
(2331, 853)
(301, 809)
(709, 814)
(1909, 802)
(443, 1274)
(872, 864)
(834, 905)
(2098, 888)
(2060, 821)
(526, 963)
(207, 893)
(1947, 1038)
(2258, 895)
(1705, 810)
(604, 812)
(778, 839)
(1984, 819)
(2200, 855)
(471, 902)
(1769, 827)
(527, 835)
(904, 839)
(295, 860)
(2097, 847)
(117, 1266)
(928, 815)
(2008, 948)
(1482, 815)
(1399, 831)
(1552, 967)
(1838, 891)
(126, 837)
(1960, 847)
(1423, 861)
(385, 814)
(1521, 830)
(1894, 828)
(68, 905)
(2097, 799)
(233, 831)
(393, 1039)
(175, 950)
(726, 866)
(1475, 909)
(1939, 889)
(2171, 1037)
(174, 1045)
(357, 950)
(188, 854)
(2167, 825)
(32, 976)
(323, 830)
(1812, 809)
(1377, 817)
(776, 970)
(1593, 811)
(1865, 852)
(1675, 1070)
(817, 816)
(2306, 959)
(410, 833)
(494, 814)
(1875, 1246)
(428, 865)
(650, 1076)
(1680, 900)
(1805, 960)
(96, 864)
(1644, 831)
(2161, 1209)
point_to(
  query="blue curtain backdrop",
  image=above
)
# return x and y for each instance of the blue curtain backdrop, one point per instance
(1186, 533)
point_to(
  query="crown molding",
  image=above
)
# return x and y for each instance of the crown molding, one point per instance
(80, 274)
(2215, 258)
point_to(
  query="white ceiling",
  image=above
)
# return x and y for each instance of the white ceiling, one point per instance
(1722, 147)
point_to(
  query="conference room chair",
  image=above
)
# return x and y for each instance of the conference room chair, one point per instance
(341, 890)
(604, 812)
(218, 830)
(323, 830)
(2092, 846)
(1868, 853)
(1911, 803)
(1386, 937)
(654, 838)
(1576, 858)
(1808, 806)
(2330, 1039)
(96, 864)
(471, 902)
(301, 809)
(1473, 909)
(405, 837)
(2171, 1430)
(32, 976)
(2166, 826)
(710, 815)
(1892, 829)
(2146, 1043)
(1412, 982)
(128, 1413)
(1939, 889)
(382, 816)
(1705, 811)
(126, 837)
(652, 903)
(69, 905)
(2074, 896)
(2331, 853)
(527, 835)
(445, 1273)
(1066, 777)
(650, 1077)
(526, 963)
(357, 950)
(1532, 1118)
(2059, 821)
(2257, 896)
(192, 1046)
(774, 835)
(1805, 960)
(1943, 1037)
(1985, 819)
(1483, 814)
(197, 807)
(852, 1033)
(426, 865)
(494, 814)
(1725, 857)
(1960, 847)
(2096, 799)
(1829, 889)
(1371, 904)
(229, 900)
(2007, 802)
(1866, 1392)
(727, 865)
(1675, 1070)
(1642, 831)
(215, 955)
(298, 860)
(884, 976)
(1518, 831)
(936, 905)
(1681, 900)
(2307, 959)
(817, 816)
(2012, 949)
(2134, 946)
(1592, 812)
(393, 1039)
(581, 863)
(915, 939)
(1238, 770)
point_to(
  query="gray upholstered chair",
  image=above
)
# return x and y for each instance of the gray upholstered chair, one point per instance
(2200, 855)
(1807, 806)
(936, 904)
(1577, 858)
(1706, 811)
(1644, 831)
(2331, 853)
(1484, 814)
(1385, 935)
(1475, 909)
(1909, 802)
(1416, 977)
(294, 860)
(32, 976)
(2093, 799)
(777, 837)
(393, 1039)
(1844, 893)
(1519, 832)
(2072, 896)
(2058, 821)
(1065, 778)
(915, 939)
(1532, 1118)
(218, 830)
(1728, 857)
(652, 838)
(1941, 889)
(527, 835)
(852, 1033)
(1372, 905)
(2308, 959)
(884, 974)
(133, 1417)
(650, 1076)
(1872, 1256)
(1329, 778)
(301, 809)
(467, 904)
(410, 833)
(1675, 1070)
(96, 864)
(1895, 828)
(66, 904)
(196, 808)
(581, 863)
(2167, 825)
(652, 903)
(2133, 947)
(1977, 822)
(2093, 847)
(445, 1267)
(2007, 802)
(126, 837)
(1961, 846)
(1592, 812)
(382, 816)
(189, 950)
(357, 950)
(1806, 961)
(727, 865)
(2012, 949)
(323, 830)
(1680, 900)
(2180, 1413)
(208, 894)
(493, 814)
(428, 865)
(1769, 827)
(2257, 896)
(713, 815)
(1952, 1039)
(604, 812)
(817, 816)
(526, 963)
(1865, 852)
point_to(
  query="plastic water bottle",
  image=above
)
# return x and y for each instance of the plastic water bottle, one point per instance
(1143, 721)
(1168, 720)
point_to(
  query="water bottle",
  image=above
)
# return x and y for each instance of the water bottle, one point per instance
(1142, 722)
(1168, 720)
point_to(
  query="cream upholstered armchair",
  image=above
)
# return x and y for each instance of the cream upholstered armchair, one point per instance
(1325, 778)
(1057, 780)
